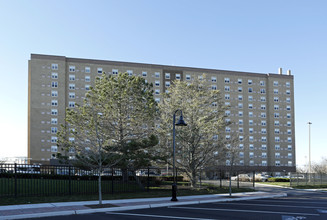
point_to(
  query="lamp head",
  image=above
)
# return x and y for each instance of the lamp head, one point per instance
(181, 121)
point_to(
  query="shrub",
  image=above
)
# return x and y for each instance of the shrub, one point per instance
(278, 179)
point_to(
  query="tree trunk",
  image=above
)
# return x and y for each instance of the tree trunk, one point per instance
(100, 191)
(193, 179)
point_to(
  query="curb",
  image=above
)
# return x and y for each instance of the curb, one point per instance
(126, 208)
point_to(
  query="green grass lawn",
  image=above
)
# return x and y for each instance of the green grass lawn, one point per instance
(164, 191)
(311, 187)
(285, 184)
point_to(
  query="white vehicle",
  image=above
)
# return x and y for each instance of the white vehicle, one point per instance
(242, 177)
(25, 168)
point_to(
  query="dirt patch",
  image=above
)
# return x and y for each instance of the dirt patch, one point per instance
(101, 206)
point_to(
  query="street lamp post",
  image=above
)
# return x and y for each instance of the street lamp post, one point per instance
(179, 123)
(309, 123)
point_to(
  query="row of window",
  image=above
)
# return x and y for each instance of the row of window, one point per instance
(250, 98)
(263, 130)
(263, 163)
(264, 155)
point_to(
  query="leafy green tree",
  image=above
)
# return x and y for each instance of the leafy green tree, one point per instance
(204, 113)
(117, 113)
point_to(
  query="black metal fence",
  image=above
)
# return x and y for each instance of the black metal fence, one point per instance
(18, 180)
(306, 179)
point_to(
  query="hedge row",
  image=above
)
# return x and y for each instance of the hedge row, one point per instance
(278, 179)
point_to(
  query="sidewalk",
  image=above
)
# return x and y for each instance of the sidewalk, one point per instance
(75, 208)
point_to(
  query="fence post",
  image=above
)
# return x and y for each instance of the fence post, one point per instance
(238, 180)
(220, 178)
(112, 180)
(253, 179)
(70, 181)
(148, 186)
(320, 178)
(314, 179)
(297, 178)
(15, 180)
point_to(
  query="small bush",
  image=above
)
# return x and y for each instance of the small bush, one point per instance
(278, 179)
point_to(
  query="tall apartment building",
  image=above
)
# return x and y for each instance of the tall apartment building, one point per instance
(262, 105)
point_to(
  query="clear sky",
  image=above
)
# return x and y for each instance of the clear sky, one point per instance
(254, 36)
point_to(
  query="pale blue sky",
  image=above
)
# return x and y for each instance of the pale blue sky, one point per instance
(255, 36)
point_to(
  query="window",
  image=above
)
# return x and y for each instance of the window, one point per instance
(250, 114)
(276, 107)
(167, 83)
(54, 121)
(145, 74)
(214, 87)
(54, 75)
(263, 99)
(71, 104)
(215, 137)
(263, 123)
(241, 154)
(250, 98)
(54, 93)
(250, 106)
(251, 163)
(276, 115)
(54, 112)
(227, 163)
(264, 163)
(277, 131)
(276, 99)
(288, 100)
(71, 95)
(227, 88)
(99, 70)
(227, 129)
(251, 146)
(114, 71)
(241, 138)
(250, 122)
(227, 80)
(240, 105)
(157, 83)
(53, 139)
(288, 124)
(157, 74)
(54, 84)
(240, 130)
(289, 147)
(240, 121)
(289, 140)
(275, 83)
(87, 87)
(263, 114)
(288, 115)
(263, 147)
(275, 91)
(227, 113)
(289, 163)
(241, 162)
(188, 77)
(87, 69)
(54, 130)
(227, 96)
(263, 131)
(288, 84)
(240, 113)
(276, 123)
(240, 97)
(54, 102)
(288, 92)
(227, 137)
(263, 107)
(263, 91)
(277, 139)
(277, 147)
(263, 139)
(251, 138)
(251, 154)
(54, 148)
(213, 79)
(71, 86)
(277, 163)
(178, 76)
(200, 78)
(239, 81)
(227, 103)
(157, 91)
(157, 100)
(71, 77)
(87, 79)
(130, 72)
(250, 81)
(289, 155)
(227, 120)
(250, 90)
(54, 66)
(277, 155)
(240, 89)
(288, 108)
(264, 155)
(71, 68)
(289, 131)
(262, 83)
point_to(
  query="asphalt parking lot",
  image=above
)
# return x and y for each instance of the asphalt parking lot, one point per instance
(308, 206)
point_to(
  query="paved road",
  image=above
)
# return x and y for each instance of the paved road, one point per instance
(298, 205)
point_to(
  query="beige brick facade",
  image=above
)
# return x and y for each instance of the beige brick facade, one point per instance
(262, 105)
